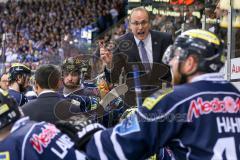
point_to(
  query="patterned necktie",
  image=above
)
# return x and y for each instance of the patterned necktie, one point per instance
(145, 59)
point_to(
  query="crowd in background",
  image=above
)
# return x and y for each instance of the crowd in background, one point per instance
(33, 32)
(209, 12)
(37, 32)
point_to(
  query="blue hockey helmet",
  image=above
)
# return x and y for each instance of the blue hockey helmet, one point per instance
(204, 44)
(18, 69)
(9, 111)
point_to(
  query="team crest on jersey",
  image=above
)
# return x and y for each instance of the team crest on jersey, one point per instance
(150, 102)
(4, 156)
(43, 139)
(129, 125)
(200, 107)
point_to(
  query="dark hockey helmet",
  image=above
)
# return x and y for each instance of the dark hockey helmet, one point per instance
(9, 111)
(204, 44)
(18, 69)
(76, 64)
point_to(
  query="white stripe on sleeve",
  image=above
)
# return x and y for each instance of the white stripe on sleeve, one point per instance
(97, 138)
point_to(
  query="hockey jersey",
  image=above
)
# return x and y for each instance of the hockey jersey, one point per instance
(198, 120)
(29, 140)
(20, 98)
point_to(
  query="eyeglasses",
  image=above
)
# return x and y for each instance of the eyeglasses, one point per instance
(136, 23)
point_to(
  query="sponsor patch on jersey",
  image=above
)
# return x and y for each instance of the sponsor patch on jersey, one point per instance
(44, 138)
(200, 107)
(128, 125)
(4, 156)
(150, 102)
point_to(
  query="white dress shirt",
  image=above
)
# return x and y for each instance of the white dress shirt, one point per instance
(148, 47)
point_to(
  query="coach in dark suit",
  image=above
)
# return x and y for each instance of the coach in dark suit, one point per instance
(142, 47)
(49, 106)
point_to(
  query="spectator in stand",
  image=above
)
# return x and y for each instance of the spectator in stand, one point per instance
(42, 22)
(114, 13)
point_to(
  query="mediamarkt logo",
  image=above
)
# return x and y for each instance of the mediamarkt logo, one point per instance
(199, 107)
(43, 139)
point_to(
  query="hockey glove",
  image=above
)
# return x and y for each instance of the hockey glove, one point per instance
(79, 131)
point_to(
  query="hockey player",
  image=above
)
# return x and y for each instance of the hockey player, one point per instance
(23, 139)
(198, 119)
(74, 71)
(19, 75)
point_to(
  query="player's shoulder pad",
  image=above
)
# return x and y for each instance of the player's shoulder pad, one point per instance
(151, 101)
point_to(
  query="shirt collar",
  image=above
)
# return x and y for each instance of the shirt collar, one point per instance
(147, 39)
(46, 91)
(209, 77)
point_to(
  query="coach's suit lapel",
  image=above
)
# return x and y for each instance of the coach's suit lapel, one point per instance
(156, 45)
(133, 54)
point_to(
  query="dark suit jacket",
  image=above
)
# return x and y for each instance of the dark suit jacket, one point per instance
(128, 46)
(49, 107)
(126, 54)
(126, 51)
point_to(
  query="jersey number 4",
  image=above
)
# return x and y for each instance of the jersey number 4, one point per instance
(226, 145)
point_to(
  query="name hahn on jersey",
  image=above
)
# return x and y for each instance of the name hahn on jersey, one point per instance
(199, 107)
